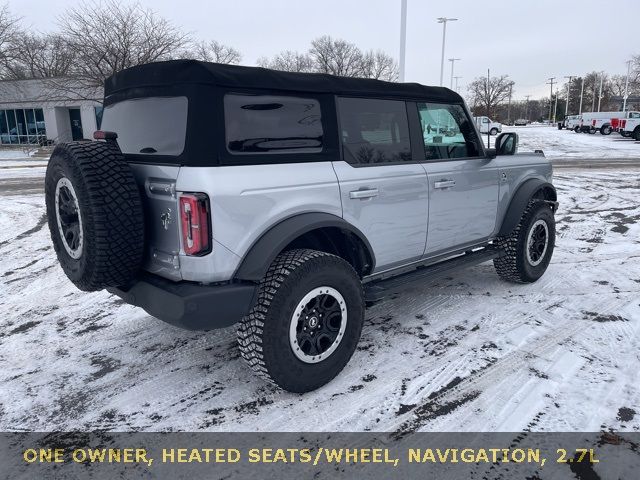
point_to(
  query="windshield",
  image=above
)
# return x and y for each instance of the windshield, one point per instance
(148, 126)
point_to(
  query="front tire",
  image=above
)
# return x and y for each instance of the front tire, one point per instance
(306, 322)
(527, 251)
(606, 130)
(494, 132)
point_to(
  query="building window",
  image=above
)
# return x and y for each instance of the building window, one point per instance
(99, 111)
(22, 126)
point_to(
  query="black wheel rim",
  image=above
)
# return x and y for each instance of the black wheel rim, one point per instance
(68, 218)
(318, 324)
(538, 241)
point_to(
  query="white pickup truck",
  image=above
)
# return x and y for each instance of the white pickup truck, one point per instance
(486, 125)
(619, 124)
(630, 127)
(600, 121)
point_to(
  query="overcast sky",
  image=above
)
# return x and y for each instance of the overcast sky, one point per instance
(528, 40)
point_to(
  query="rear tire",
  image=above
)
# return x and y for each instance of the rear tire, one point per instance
(494, 132)
(528, 249)
(306, 322)
(576, 129)
(606, 130)
(636, 134)
(95, 214)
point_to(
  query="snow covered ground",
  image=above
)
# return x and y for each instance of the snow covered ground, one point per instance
(468, 353)
(566, 144)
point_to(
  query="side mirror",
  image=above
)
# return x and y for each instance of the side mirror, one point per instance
(507, 143)
(491, 153)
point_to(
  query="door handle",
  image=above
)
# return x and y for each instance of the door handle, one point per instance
(444, 184)
(362, 194)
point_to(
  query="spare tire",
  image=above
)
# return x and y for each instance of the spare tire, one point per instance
(95, 214)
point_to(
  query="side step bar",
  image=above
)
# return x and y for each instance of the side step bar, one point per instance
(377, 290)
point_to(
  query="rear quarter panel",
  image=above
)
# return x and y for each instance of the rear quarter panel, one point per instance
(247, 200)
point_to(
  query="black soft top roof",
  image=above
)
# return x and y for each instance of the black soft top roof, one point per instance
(180, 72)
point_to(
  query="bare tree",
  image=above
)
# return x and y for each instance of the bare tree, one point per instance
(105, 38)
(214, 51)
(336, 56)
(380, 66)
(39, 56)
(8, 32)
(487, 94)
(288, 61)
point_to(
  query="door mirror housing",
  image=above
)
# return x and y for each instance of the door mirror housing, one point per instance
(491, 153)
(507, 143)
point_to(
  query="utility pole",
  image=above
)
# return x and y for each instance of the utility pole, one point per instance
(443, 21)
(403, 38)
(600, 94)
(626, 87)
(526, 108)
(555, 108)
(581, 95)
(566, 108)
(551, 82)
(453, 61)
(509, 104)
(593, 101)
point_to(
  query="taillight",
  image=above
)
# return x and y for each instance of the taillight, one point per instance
(194, 220)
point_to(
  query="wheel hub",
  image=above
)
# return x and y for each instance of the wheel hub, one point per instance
(537, 242)
(318, 324)
(68, 218)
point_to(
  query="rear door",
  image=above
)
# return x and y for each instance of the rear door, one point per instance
(463, 183)
(384, 191)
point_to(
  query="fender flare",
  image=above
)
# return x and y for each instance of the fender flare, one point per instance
(261, 254)
(519, 202)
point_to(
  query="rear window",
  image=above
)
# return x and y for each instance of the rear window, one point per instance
(264, 124)
(148, 126)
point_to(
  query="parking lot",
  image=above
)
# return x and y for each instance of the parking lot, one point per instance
(468, 353)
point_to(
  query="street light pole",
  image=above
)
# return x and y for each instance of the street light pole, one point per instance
(457, 78)
(443, 21)
(403, 38)
(600, 94)
(626, 87)
(453, 61)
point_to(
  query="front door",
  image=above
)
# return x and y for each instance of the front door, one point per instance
(76, 124)
(463, 183)
(383, 193)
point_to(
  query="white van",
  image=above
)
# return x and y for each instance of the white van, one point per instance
(486, 125)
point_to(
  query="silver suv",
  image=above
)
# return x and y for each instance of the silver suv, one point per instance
(285, 202)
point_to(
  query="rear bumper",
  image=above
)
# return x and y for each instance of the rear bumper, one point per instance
(190, 305)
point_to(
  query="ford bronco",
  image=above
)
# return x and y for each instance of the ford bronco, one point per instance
(284, 202)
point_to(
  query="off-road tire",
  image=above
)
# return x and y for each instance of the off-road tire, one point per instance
(110, 206)
(513, 264)
(263, 335)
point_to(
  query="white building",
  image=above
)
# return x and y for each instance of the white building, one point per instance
(38, 111)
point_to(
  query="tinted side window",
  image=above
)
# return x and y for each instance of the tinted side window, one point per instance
(374, 131)
(272, 124)
(447, 132)
(152, 125)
